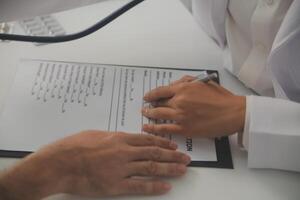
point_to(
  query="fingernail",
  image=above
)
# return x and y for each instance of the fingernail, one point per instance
(167, 186)
(186, 159)
(146, 97)
(145, 111)
(145, 126)
(181, 168)
(173, 145)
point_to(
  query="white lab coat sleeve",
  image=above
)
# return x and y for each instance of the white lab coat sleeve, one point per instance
(272, 133)
(284, 60)
(211, 15)
(11, 10)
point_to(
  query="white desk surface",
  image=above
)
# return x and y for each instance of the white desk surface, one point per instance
(157, 33)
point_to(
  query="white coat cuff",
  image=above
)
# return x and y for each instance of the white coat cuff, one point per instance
(272, 137)
(243, 137)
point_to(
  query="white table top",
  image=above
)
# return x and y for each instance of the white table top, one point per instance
(163, 34)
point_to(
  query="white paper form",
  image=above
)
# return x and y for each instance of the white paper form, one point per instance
(51, 100)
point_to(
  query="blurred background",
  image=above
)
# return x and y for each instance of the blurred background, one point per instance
(188, 4)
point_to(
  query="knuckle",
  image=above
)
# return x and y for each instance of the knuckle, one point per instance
(151, 168)
(89, 133)
(150, 139)
(161, 142)
(155, 153)
(172, 102)
(116, 136)
(183, 86)
(188, 78)
(137, 188)
(118, 150)
(181, 100)
(165, 115)
(184, 78)
(122, 151)
(127, 150)
(120, 134)
(161, 129)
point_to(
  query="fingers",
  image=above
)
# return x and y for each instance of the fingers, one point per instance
(143, 187)
(159, 155)
(156, 169)
(161, 103)
(163, 129)
(162, 92)
(149, 140)
(217, 87)
(160, 113)
(184, 79)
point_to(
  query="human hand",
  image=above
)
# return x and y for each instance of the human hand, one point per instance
(98, 164)
(197, 109)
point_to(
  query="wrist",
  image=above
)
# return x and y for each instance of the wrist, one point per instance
(51, 163)
(34, 177)
(240, 113)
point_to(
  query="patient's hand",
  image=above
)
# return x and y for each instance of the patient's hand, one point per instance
(95, 164)
(196, 108)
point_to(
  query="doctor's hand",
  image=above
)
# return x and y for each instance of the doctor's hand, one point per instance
(96, 164)
(196, 109)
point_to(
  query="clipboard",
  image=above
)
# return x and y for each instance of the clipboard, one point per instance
(222, 145)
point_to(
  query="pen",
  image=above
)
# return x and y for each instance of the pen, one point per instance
(206, 77)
